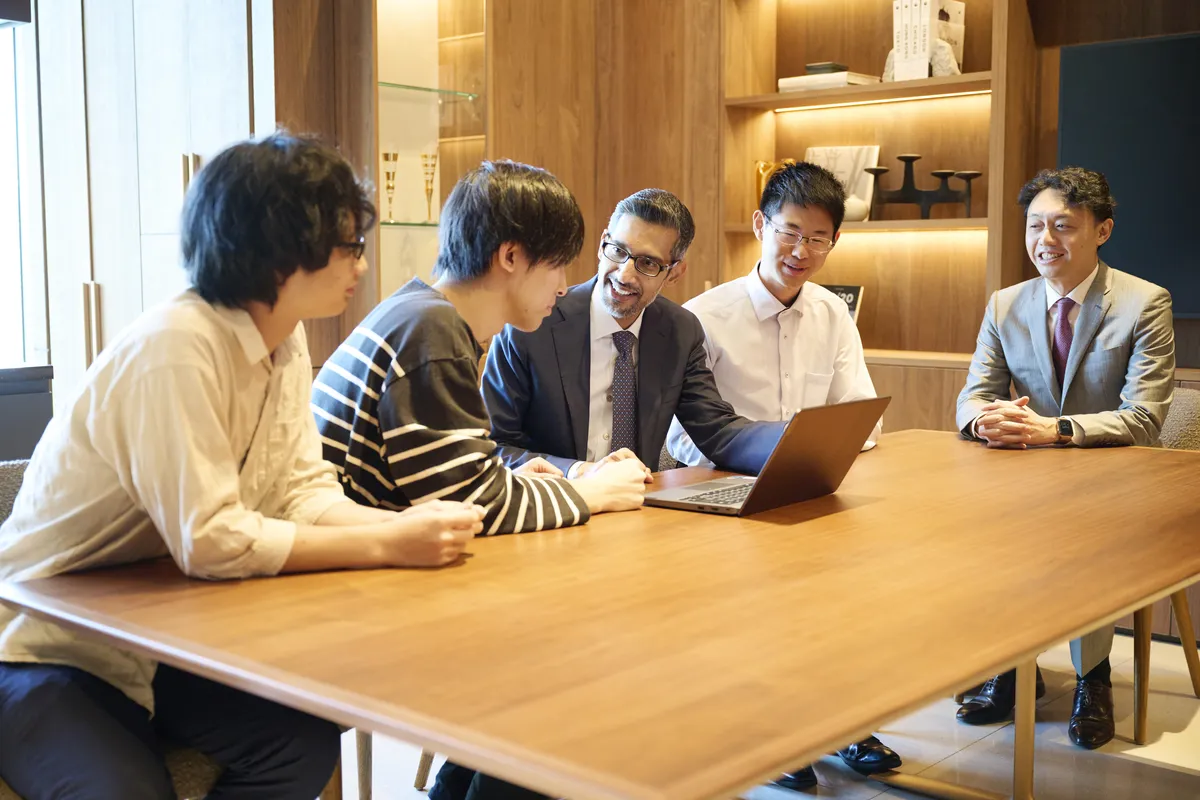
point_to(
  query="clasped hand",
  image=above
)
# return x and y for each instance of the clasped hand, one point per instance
(1011, 424)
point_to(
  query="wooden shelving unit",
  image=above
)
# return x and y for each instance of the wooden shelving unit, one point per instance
(872, 94)
(926, 281)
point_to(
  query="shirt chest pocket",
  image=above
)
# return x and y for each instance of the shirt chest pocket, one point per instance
(816, 388)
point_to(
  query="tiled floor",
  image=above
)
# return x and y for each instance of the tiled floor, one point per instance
(934, 745)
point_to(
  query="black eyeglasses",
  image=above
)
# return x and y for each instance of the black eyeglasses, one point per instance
(355, 248)
(643, 264)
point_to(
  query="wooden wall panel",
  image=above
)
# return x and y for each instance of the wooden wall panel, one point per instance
(922, 290)
(460, 18)
(922, 397)
(325, 83)
(356, 132)
(1065, 22)
(542, 99)
(950, 133)
(858, 33)
(749, 137)
(663, 132)
(1014, 139)
(748, 70)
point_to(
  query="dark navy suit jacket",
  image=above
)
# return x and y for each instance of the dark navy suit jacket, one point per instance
(537, 390)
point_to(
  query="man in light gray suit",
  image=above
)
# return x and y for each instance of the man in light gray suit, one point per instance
(1091, 354)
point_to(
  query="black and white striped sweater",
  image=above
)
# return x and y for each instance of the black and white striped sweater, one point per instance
(401, 418)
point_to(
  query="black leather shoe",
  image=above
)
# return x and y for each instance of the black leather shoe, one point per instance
(995, 702)
(870, 756)
(797, 781)
(1092, 719)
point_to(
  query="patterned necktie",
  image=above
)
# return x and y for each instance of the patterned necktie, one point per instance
(1062, 337)
(624, 393)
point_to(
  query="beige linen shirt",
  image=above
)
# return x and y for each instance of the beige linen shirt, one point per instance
(187, 438)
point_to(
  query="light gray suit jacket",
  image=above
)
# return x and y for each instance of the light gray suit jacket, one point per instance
(1120, 373)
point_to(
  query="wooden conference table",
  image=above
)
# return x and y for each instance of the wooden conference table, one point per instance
(664, 655)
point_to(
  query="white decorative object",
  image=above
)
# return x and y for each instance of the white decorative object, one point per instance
(857, 209)
(942, 64)
(847, 165)
(951, 26)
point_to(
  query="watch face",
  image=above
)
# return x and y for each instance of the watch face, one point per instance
(1065, 428)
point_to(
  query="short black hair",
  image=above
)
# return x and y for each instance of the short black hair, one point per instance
(804, 184)
(660, 207)
(264, 208)
(1083, 188)
(506, 201)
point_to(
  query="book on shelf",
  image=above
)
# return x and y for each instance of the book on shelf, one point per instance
(829, 80)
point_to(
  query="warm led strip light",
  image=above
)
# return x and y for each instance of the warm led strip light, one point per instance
(881, 102)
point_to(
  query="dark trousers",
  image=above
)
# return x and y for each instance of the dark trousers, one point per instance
(459, 783)
(68, 735)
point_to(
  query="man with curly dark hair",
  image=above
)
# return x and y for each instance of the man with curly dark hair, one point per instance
(192, 437)
(1090, 351)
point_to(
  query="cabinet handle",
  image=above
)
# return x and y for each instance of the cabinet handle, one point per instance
(92, 344)
(187, 172)
(196, 164)
(88, 352)
(97, 321)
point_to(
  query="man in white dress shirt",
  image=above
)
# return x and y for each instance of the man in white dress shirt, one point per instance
(778, 343)
(1090, 351)
(192, 437)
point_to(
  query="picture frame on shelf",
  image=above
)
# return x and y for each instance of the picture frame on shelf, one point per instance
(848, 165)
(851, 295)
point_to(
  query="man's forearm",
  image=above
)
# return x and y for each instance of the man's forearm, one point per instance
(351, 513)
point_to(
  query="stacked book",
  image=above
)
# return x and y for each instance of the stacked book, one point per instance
(825, 75)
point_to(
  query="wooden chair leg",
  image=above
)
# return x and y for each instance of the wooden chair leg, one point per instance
(1142, 626)
(362, 744)
(1187, 636)
(423, 767)
(333, 789)
(959, 698)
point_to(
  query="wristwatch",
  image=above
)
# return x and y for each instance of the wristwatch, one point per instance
(1066, 430)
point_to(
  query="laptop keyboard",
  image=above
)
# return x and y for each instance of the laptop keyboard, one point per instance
(730, 496)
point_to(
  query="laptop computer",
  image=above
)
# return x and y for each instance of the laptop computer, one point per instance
(811, 459)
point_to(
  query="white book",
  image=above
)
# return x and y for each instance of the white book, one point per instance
(926, 23)
(897, 29)
(907, 20)
(909, 64)
(829, 80)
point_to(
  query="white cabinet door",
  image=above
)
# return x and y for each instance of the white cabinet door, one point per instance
(113, 161)
(163, 275)
(218, 75)
(161, 58)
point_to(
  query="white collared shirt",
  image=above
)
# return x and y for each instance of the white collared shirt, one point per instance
(187, 438)
(771, 361)
(1078, 294)
(604, 359)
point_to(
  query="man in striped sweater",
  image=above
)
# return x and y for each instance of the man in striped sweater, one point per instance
(398, 405)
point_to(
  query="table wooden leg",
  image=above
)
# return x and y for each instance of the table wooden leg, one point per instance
(1143, 620)
(1023, 727)
(362, 742)
(1187, 636)
(423, 767)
